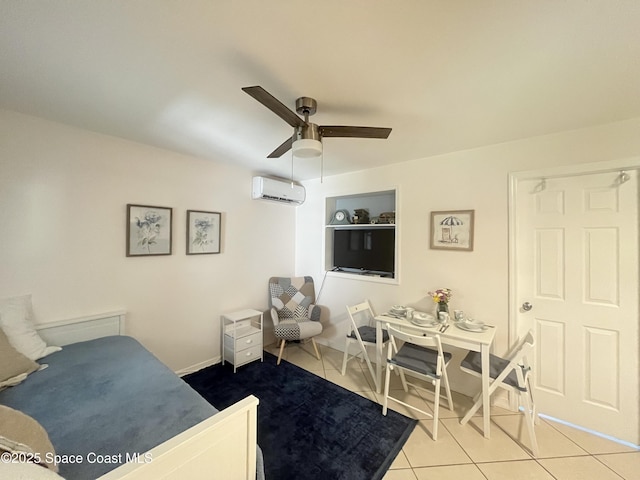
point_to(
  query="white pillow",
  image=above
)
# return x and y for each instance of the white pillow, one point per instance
(16, 319)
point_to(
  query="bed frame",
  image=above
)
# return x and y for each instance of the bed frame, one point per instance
(222, 446)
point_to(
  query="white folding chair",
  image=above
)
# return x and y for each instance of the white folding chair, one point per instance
(511, 373)
(420, 356)
(362, 332)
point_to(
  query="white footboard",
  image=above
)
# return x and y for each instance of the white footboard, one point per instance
(221, 447)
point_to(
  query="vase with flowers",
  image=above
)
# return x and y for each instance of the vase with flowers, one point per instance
(441, 298)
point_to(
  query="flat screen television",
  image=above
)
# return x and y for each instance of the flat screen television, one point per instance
(364, 250)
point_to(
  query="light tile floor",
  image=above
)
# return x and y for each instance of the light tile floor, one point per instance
(461, 451)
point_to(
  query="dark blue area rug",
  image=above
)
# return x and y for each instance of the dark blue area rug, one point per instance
(308, 428)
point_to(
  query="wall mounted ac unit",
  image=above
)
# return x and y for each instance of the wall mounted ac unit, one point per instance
(276, 190)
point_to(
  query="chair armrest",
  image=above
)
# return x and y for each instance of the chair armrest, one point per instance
(274, 316)
(315, 311)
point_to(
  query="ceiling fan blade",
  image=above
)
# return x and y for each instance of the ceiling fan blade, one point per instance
(357, 132)
(282, 149)
(275, 105)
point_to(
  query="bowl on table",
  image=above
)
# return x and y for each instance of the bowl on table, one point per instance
(423, 319)
(399, 310)
(471, 325)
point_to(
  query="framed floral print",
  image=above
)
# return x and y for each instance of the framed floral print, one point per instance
(203, 232)
(148, 230)
(452, 230)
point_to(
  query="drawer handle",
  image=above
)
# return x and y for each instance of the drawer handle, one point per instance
(249, 354)
(249, 341)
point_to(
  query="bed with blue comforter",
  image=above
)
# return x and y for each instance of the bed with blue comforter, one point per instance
(107, 399)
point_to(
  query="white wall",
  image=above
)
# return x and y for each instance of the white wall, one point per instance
(63, 196)
(473, 179)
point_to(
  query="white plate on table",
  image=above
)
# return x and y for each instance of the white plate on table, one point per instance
(423, 319)
(472, 326)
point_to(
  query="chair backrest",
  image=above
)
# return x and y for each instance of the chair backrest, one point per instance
(519, 356)
(361, 314)
(522, 350)
(430, 340)
(292, 296)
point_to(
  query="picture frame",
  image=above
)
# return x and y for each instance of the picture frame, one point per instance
(452, 230)
(203, 232)
(149, 230)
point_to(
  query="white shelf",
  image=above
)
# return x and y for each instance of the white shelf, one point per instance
(241, 331)
(360, 226)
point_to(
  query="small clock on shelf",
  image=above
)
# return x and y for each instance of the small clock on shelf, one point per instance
(340, 217)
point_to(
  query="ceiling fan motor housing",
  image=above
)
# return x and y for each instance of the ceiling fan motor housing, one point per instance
(308, 132)
(307, 142)
(306, 106)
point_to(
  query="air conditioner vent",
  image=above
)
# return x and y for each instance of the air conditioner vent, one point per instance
(277, 190)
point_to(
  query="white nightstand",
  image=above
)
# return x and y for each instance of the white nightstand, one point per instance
(241, 337)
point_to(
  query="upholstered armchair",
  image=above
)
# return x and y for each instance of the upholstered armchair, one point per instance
(293, 310)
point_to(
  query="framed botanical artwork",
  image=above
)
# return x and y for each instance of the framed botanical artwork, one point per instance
(452, 230)
(148, 230)
(203, 232)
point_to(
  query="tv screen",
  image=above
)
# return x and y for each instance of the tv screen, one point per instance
(368, 250)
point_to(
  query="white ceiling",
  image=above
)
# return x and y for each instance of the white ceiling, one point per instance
(445, 75)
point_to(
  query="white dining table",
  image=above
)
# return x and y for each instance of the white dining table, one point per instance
(454, 336)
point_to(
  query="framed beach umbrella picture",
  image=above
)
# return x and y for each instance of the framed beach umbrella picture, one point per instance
(452, 230)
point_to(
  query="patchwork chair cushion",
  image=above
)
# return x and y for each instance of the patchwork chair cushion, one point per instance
(297, 328)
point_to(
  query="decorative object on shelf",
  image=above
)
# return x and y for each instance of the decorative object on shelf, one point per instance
(361, 215)
(452, 230)
(203, 232)
(148, 230)
(340, 217)
(387, 217)
(441, 298)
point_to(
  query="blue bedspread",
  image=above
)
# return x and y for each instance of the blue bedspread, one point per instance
(107, 397)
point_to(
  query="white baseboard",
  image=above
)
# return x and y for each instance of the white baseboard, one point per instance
(198, 366)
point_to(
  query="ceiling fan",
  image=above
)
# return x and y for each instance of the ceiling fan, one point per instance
(306, 140)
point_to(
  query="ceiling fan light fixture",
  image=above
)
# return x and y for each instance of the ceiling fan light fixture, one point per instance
(307, 148)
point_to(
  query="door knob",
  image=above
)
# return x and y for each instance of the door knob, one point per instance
(526, 306)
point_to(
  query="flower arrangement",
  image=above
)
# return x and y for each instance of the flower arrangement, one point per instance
(441, 295)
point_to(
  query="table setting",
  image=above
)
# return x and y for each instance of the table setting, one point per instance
(468, 334)
(442, 322)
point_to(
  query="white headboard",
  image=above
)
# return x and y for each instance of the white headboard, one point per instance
(82, 329)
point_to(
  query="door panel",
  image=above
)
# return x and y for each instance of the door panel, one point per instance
(550, 355)
(576, 260)
(550, 267)
(602, 350)
(601, 271)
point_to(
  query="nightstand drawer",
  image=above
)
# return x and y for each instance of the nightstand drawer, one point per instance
(248, 355)
(249, 341)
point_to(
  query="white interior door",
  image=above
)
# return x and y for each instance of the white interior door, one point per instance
(575, 249)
